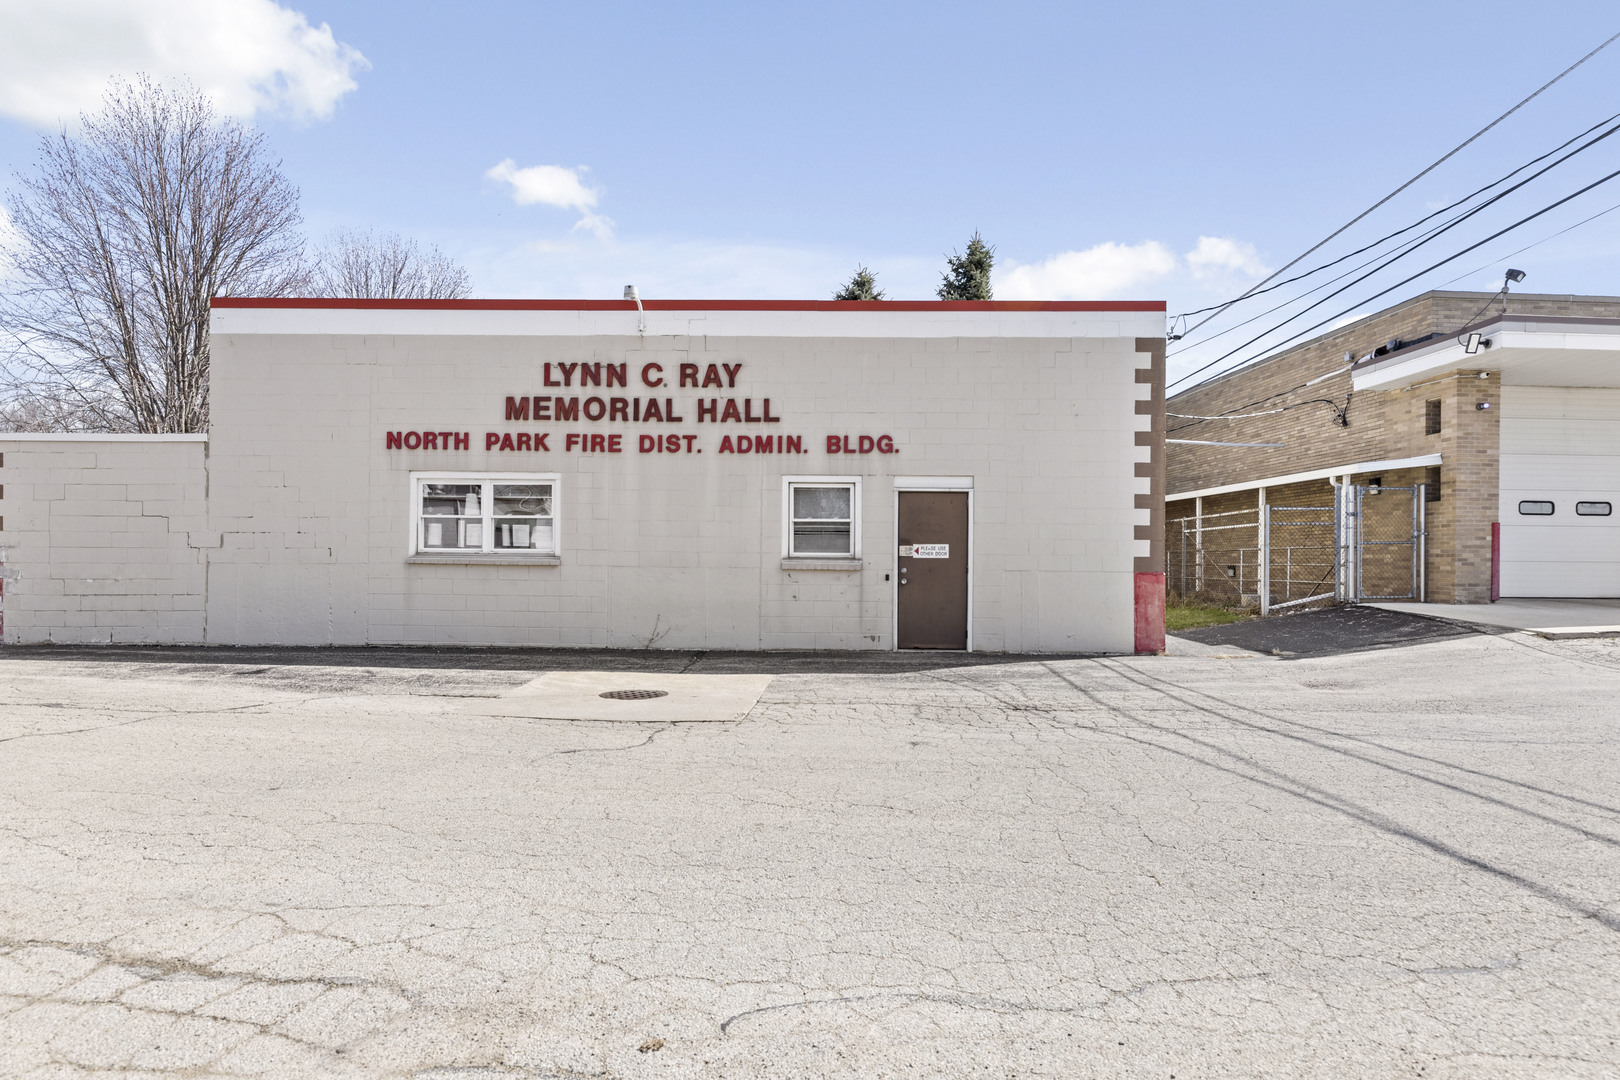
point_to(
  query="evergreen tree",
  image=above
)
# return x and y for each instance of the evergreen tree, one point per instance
(967, 276)
(863, 286)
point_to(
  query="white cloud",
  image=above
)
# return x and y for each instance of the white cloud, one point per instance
(250, 56)
(554, 185)
(1219, 256)
(1106, 272)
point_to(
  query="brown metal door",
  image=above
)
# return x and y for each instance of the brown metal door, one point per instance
(933, 570)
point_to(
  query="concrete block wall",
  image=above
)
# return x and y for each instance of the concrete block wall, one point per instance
(103, 539)
(675, 550)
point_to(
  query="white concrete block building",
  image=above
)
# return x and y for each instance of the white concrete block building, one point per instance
(697, 475)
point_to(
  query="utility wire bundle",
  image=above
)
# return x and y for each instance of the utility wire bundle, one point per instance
(1388, 250)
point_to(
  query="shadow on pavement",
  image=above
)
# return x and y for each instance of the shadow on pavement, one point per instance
(535, 660)
(1328, 632)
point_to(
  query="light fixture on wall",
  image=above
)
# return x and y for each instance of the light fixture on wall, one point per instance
(1512, 277)
(641, 313)
(1483, 406)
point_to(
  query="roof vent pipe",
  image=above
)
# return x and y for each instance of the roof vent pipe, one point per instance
(641, 312)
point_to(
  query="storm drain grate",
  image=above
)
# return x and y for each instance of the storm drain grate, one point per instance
(633, 695)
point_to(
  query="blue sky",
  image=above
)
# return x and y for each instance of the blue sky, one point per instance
(1153, 150)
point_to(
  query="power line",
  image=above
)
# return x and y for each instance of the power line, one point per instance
(1527, 247)
(1249, 416)
(1307, 384)
(1257, 291)
(1458, 220)
(1447, 157)
(1408, 247)
(1472, 247)
(1340, 417)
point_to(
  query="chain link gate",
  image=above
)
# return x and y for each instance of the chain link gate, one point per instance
(1384, 532)
(1367, 545)
(1302, 546)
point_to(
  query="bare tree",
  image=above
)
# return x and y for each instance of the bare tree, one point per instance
(26, 406)
(387, 266)
(118, 241)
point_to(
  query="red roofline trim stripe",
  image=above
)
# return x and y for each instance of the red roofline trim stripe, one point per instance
(329, 303)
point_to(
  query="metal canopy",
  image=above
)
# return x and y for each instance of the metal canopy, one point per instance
(1527, 350)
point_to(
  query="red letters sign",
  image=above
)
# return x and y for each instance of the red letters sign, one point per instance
(607, 409)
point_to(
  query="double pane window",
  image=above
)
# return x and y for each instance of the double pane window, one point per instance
(505, 516)
(823, 519)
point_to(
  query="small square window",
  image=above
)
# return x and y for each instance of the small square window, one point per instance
(1593, 509)
(1431, 416)
(504, 515)
(1536, 508)
(1431, 484)
(822, 519)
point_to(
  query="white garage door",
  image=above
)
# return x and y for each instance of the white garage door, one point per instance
(1560, 508)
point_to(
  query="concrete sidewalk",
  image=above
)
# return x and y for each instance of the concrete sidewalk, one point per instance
(1549, 618)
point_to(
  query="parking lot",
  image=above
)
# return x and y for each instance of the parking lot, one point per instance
(1389, 855)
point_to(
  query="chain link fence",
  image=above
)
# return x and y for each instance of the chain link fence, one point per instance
(1215, 559)
(1367, 545)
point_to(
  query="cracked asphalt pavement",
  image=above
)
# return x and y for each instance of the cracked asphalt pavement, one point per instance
(1403, 862)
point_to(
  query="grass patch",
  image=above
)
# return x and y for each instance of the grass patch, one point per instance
(1179, 617)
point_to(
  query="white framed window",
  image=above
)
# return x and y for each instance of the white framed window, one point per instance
(821, 517)
(490, 514)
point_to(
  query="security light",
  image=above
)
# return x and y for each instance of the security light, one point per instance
(1471, 346)
(1483, 375)
(1512, 277)
(1483, 406)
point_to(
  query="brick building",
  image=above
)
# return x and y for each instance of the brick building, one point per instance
(1496, 457)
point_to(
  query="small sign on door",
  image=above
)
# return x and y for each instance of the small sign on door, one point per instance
(931, 551)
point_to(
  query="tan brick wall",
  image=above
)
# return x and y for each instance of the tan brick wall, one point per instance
(1384, 424)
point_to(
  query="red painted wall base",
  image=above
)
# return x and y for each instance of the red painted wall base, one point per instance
(1496, 561)
(1149, 614)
